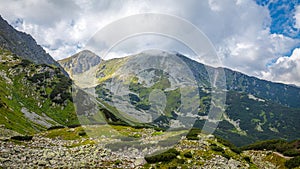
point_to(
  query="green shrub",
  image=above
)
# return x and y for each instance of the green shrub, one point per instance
(62, 88)
(188, 155)
(25, 63)
(179, 161)
(248, 159)
(226, 156)
(55, 127)
(174, 151)
(118, 162)
(293, 163)
(2, 104)
(228, 144)
(74, 125)
(217, 148)
(193, 134)
(163, 157)
(286, 148)
(22, 138)
(82, 133)
(267, 145)
(292, 153)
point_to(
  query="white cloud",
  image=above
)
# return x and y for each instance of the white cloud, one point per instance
(286, 69)
(239, 29)
(297, 17)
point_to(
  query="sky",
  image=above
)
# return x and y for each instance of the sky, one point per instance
(258, 37)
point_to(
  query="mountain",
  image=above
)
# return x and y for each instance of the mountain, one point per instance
(33, 97)
(80, 62)
(158, 88)
(23, 45)
(150, 99)
(81, 67)
(287, 95)
(35, 93)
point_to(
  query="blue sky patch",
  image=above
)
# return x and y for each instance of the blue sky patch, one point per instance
(282, 14)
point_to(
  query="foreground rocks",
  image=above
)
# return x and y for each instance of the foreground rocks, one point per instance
(53, 153)
(86, 152)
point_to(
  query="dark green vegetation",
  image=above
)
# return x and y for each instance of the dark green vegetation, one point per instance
(272, 113)
(166, 156)
(286, 148)
(261, 120)
(293, 163)
(290, 149)
(33, 97)
(22, 138)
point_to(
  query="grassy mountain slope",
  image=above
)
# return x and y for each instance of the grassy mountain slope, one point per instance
(33, 97)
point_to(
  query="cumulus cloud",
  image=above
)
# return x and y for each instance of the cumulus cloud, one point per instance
(239, 29)
(286, 69)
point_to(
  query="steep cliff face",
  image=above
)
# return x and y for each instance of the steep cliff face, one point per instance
(23, 45)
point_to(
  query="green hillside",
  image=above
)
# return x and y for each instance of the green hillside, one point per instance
(33, 97)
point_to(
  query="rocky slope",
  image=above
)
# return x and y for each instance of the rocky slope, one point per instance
(70, 148)
(80, 62)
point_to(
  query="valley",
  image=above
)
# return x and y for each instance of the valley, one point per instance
(153, 109)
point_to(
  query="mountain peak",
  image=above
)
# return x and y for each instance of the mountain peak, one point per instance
(80, 62)
(85, 52)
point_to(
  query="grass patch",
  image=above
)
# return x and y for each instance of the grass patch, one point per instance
(65, 134)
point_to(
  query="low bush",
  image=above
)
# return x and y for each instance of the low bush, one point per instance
(22, 138)
(188, 155)
(217, 148)
(226, 156)
(248, 159)
(74, 125)
(82, 133)
(293, 163)
(25, 63)
(284, 147)
(55, 127)
(292, 153)
(228, 144)
(193, 134)
(163, 157)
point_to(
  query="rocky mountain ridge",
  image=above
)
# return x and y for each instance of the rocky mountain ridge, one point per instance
(23, 45)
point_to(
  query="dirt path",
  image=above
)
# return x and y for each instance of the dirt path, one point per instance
(281, 155)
